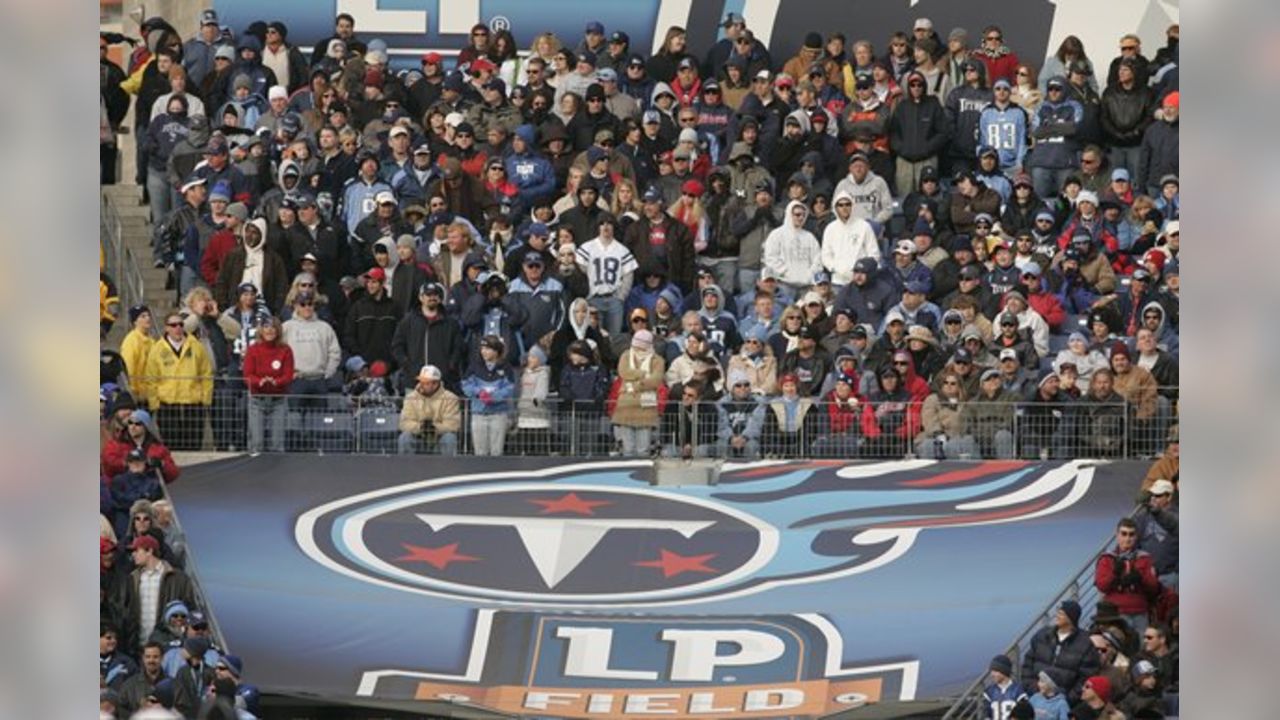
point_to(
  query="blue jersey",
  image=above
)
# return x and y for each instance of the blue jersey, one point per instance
(358, 200)
(1000, 702)
(1006, 131)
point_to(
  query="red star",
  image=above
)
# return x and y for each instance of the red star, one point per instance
(673, 564)
(570, 503)
(438, 558)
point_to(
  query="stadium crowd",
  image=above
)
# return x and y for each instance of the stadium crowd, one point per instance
(927, 246)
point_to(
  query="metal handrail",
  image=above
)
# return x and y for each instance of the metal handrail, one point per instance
(120, 262)
(969, 703)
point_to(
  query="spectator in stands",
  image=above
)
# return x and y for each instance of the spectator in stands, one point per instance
(316, 350)
(137, 482)
(690, 427)
(1157, 531)
(181, 385)
(741, 419)
(1095, 696)
(1126, 576)
(372, 320)
(867, 295)
(658, 238)
(991, 415)
(1048, 702)
(136, 346)
(152, 586)
(1003, 692)
(945, 426)
(846, 240)
(252, 262)
(639, 393)
(268, 373)
(891, 417)
(431, 416)
(1062, 651)
(139, 434)
(918, 131)
(1054, 127)
(1160, 648)
(138, 686)
(489, 385)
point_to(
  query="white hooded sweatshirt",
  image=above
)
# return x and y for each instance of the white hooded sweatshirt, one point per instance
(793, 252)
(845, 242)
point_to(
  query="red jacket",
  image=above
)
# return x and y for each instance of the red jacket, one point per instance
(116, 453)
(1002, 65)
(268, 360)
(1049, 307)
(220, 243)
(841, 416)
(909, 428)
(1121, 263)
(1109, 576)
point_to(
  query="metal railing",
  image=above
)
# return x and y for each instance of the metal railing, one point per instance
(971, 704)
(119, 261)
(370, 422)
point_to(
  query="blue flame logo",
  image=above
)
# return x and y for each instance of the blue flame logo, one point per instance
(597, 535)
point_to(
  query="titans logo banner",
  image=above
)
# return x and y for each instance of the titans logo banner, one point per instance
(789, 589)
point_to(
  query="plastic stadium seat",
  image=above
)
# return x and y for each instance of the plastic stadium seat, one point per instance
(378, 431)
(331, 432)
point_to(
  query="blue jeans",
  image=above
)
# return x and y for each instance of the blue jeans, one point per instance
(446, 444)
(1127, 158)
(610, 309)
(274, 408)
(726, 272)
(1048, 181)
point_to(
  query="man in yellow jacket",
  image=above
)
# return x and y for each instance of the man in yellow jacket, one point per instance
(136, 347)
(179, 381)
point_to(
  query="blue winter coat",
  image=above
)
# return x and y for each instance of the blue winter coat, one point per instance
(497, 380)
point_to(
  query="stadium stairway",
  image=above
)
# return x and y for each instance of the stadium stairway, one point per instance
(125, 201)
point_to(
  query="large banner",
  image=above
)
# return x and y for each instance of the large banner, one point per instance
(1032, 28)
(580, 590)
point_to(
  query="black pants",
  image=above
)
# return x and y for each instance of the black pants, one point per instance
(107, 156)
(182, 426)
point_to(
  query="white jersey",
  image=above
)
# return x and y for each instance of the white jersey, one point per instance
(606, 266)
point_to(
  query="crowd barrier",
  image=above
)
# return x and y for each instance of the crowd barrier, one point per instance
(237, 420)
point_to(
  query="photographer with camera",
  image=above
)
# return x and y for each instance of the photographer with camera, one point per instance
(431, 416)
(1127, 576)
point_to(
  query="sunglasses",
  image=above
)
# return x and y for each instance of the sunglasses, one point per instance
(953, 321)
(915, 84)
(141, 517)
(173, 324)
(1127, 533)
(898, 363)
(639, 320)
(994, 38)
(1128, 47)
(595, 100)
(688, 120)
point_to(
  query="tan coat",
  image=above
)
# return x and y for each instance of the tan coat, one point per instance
(1138, 388)
(938, 416)
(764, 378)
(442, 409)
(637, 376)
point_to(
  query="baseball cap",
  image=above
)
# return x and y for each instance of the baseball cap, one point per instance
(1161, 487)
(1001, 83)
(376, 273)
(432, 58)
(1120, 174)
(595, 27)
(385, 197)
(429, 372)
(620, 37)
(533, 257)
(1008, 354)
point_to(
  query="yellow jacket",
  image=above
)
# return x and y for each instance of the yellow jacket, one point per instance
(135, 348)
(133, 83)
(184, 378)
